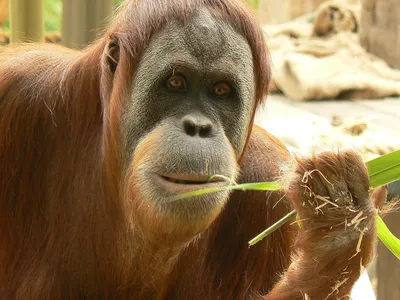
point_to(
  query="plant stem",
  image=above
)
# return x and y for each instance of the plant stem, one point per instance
(272, 228)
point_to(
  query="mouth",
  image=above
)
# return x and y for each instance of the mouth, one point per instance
(177, 184)
(189, 180)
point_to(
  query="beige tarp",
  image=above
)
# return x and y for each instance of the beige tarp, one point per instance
(319, 57)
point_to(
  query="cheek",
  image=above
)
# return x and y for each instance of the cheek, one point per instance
(237, 123)
(138, 120)
(145, 111)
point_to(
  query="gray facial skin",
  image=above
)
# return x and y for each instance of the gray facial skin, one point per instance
(205, 51)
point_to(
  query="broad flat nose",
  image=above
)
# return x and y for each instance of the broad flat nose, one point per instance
(197, 125)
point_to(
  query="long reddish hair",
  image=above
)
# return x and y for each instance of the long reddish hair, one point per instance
(60, 146)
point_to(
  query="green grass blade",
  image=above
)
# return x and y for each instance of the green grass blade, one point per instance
(272, 228)
(390, 241)
(258, 186)
(384, 169)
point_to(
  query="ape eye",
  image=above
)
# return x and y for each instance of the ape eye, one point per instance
(221, 90)
(176, 82)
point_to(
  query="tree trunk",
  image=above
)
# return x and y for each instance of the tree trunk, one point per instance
(26, 21)
(83, 20)
(3, 11)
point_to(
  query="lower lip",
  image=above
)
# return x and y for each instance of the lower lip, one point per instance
(176, 188)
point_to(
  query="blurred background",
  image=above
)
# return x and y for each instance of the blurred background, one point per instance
(336, 76)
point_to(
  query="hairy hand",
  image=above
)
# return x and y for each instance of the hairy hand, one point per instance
(331, 195)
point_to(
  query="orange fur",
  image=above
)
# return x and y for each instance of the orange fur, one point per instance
(66, 224)
(220, 264)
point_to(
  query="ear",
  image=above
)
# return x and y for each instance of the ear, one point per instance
(109, 63)
(112, 54)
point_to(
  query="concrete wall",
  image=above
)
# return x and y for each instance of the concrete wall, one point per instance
(380, 29)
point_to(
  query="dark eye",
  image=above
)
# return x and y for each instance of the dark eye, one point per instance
(221, 90)
(176, 82)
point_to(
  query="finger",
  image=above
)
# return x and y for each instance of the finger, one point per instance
(356, 176)
(379, 196)
(314, 189)
(332, 172)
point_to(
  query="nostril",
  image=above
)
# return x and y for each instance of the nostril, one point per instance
(190, 127)
(194, 125)
(205, 130)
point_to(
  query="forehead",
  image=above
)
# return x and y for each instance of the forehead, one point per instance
(204, 41)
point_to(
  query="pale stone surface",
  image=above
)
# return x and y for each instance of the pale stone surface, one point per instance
(306, 126)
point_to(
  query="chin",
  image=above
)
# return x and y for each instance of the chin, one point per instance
(165, 188)
(164, 219)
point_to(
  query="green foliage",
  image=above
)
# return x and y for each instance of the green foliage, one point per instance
(52, 15)
(253, 3)
(6, 26)
(390, 241)
(384, 169)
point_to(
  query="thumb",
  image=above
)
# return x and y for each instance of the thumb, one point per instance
(378, 196)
